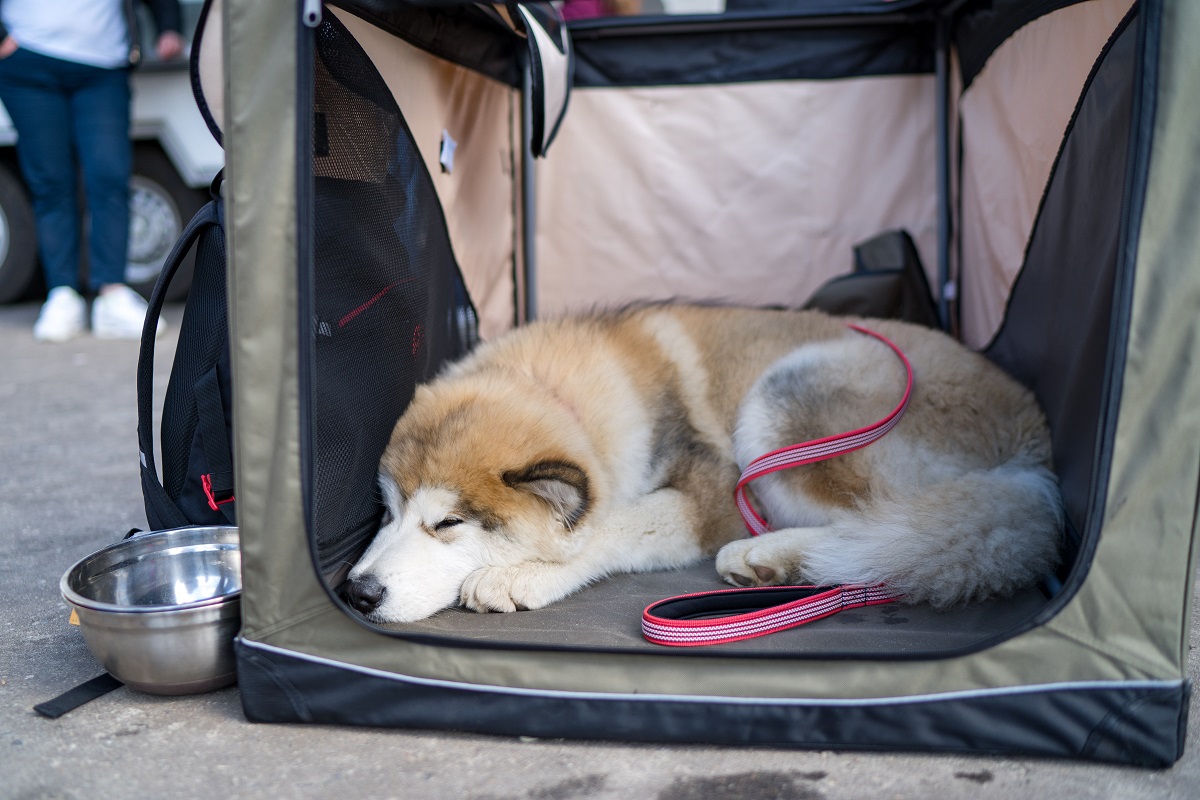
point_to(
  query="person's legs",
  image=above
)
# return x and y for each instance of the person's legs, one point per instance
(100, 115)
(36, 99)
(100, 111)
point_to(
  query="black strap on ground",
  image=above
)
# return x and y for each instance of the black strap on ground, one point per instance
(85, 692)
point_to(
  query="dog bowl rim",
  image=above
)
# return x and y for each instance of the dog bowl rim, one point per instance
(75, 599)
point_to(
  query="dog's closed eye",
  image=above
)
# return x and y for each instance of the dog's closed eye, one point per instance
(448, 522)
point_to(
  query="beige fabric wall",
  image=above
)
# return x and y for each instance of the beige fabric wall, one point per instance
(748, 193)
(1014, 115)
(478, 196)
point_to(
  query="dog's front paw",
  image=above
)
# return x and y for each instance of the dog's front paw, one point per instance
(512, 588)
(753, 562)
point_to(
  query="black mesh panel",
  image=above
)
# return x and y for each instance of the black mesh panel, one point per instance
(388, 300)
(1058, 327)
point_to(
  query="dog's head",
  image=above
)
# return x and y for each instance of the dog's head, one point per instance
(473, 476)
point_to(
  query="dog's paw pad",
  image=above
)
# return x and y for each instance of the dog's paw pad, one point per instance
(766, 575)
(748, 563)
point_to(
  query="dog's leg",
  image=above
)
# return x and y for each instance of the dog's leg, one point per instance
(983, 534)
(771, 559)
(654, 532)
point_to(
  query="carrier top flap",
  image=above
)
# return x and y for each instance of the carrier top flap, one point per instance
(552, 70)
(207, 68)
(494, 40)
(497, 40)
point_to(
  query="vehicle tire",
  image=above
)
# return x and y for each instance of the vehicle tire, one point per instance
(18, 239)
(160, 204)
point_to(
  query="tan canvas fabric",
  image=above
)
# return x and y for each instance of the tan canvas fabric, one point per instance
(1013, 118)
(747, 193)
(477, 196)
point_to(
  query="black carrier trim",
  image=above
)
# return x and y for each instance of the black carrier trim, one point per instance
(1140, 723)
(305, 135)
(721, 51)
(466, 35)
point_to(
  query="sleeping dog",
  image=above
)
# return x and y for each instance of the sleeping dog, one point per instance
(573, 449)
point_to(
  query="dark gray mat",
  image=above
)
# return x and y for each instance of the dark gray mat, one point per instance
(608, 616)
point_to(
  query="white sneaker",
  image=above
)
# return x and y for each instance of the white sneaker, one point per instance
(119, 313)
(63, 316)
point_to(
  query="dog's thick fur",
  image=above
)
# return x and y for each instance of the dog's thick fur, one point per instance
(573, 449)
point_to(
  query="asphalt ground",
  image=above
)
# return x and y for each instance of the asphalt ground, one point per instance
(69, 486)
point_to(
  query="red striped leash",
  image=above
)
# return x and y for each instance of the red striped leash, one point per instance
(820, 449)
(730, 615)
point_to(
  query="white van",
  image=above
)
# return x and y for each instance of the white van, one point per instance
(174, 160)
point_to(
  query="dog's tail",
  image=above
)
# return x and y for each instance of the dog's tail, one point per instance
(978, 535)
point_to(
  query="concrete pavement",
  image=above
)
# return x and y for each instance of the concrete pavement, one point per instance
(69, 486)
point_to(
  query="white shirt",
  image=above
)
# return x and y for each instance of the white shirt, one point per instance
(91, 32)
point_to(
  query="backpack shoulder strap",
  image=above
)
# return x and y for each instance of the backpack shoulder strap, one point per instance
(161, 511)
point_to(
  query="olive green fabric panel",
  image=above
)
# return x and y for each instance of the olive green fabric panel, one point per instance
(1138, 593)
(260, 189)
(1038, 657)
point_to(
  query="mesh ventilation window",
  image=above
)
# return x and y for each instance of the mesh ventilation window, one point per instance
(389, 304)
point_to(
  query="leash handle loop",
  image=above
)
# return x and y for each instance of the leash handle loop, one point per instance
(730, 615)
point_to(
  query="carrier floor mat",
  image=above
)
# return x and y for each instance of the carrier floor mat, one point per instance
(608, 616)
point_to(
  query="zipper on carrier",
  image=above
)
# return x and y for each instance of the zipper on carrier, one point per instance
(311, 13)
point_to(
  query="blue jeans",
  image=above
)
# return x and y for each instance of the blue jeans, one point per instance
(73, 119)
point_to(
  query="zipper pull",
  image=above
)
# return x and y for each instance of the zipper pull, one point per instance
(311, 16)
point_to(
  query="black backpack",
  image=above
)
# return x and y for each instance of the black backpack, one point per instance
(196, 436)
(888, 282)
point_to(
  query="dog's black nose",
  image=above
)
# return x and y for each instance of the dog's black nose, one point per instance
(364, 594)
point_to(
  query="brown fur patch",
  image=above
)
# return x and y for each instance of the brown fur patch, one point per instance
(837, 483)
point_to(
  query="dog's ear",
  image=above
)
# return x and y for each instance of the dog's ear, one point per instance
(561, 484)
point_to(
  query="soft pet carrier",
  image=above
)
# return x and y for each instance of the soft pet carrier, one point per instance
(384, 209)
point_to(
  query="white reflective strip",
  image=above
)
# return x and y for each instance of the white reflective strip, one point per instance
(670, 698)
(827, 450)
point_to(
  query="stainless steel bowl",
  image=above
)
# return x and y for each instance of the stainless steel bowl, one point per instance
(160, 610)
